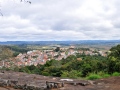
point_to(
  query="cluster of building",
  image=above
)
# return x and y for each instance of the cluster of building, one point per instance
(36, 57)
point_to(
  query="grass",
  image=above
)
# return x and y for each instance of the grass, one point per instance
(106, 75)
(116, 74)
(93, 77)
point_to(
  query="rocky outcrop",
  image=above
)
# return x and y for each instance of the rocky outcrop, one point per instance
(4, 82)
(25, 81)
(21, 81)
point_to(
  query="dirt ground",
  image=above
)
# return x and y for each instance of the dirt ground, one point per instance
(8, 88)
(112, 83)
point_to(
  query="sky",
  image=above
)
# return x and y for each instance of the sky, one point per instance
(59, 20)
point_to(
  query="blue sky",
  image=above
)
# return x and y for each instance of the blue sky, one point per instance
(59, 20)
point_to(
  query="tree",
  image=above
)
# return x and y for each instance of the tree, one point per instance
(26, 1)
(57, 49)
(5, 54)
(86, 69)
(114, 59)
(1, 14)
(115, 52)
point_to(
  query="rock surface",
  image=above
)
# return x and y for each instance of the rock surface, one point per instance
(10, 80)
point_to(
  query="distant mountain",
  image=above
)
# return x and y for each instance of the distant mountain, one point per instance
(86, 42)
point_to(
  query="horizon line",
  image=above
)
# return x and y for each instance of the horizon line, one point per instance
(57, 40)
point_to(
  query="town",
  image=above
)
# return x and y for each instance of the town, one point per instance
(35, 57)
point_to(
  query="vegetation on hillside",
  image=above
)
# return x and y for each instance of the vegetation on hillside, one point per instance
(80, 65)
(5, 53)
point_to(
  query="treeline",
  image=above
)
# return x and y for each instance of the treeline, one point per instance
(18, 49)
(80, 65)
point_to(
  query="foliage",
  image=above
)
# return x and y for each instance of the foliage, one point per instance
(92, 67)
(116, 74)
(106, 75)
(45, 73)
(103, 74)
(57, 49)
(93, 76)
(5, 53)
(115, 52)
(114, 59)
(19, 49)
(71, 74)
(15, 54)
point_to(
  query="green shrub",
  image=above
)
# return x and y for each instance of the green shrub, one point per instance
(101, 73)
(79, 74)
(93, 76)
(45, 73)
(71, 74)
(106, 75)
(116, 74)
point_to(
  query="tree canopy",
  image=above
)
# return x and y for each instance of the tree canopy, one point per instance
(5, 53)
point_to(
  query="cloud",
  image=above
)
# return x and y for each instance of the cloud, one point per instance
(59, 20)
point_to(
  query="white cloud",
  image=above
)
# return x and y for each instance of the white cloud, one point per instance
(59, 20)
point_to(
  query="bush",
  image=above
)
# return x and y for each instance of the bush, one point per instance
(65, 74)
(93, 76)
(74, 74)
(103, 74)
(45, 73)
(71, 74)
(116, 74)
(106, 75)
